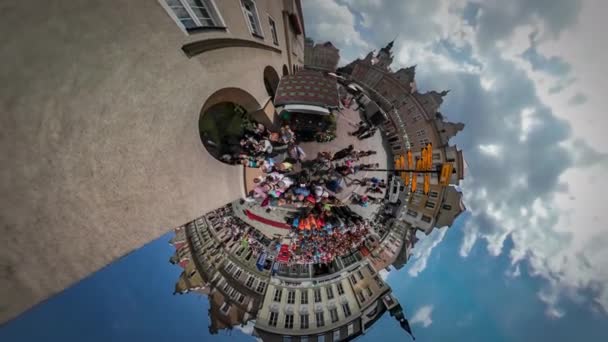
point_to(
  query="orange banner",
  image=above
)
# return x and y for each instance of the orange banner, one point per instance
(446, 174)
(410, 162)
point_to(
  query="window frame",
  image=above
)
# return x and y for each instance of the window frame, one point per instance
(273, 319)
(317, 295)
(346, 309)
(320, 319)
(278, 295)
(333, 314)
(288, 321)
(304, 297)
(304, 318)
(291, 297)
(340, 288)
(274, 33)
(214, 15)
(257, 18)
(225, 308)
(330, 292)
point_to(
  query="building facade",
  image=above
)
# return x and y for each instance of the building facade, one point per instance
(295, 303)
(324, 57)
(336, 307)
(106, 118)
(414, 122)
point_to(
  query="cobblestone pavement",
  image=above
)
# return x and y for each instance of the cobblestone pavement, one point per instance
(347, 119)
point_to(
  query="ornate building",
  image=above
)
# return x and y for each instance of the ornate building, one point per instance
(297, 303)
(415, 122)
(324, 57)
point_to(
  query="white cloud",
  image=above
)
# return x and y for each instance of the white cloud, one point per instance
(491, 150)
(328, 20)
(423, 316)
(544, 192)
(422, 251)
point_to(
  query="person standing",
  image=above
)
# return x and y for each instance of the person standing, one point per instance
(296, 153)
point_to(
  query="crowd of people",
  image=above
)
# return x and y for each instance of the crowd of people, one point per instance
(235, 230)
(321, 234)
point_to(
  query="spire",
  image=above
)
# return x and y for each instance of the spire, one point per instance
(388, 47)
(444, 93)
(397, 312)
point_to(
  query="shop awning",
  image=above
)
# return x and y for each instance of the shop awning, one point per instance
(303, 108)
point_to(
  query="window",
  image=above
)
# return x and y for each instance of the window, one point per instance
(317, 295)
(429, 205)
(340, 288)
(226, 287)
(412, 213)
(436, 156)
(273, 31)
(421, 133)
(337, 335)
(229, 267)
(261, 287)
(194, 14)
(272, 321)
(379, 282)
(330, 292)
(277, 295)
(251, 14)
(238, 273)
(417, 118)
(351, 329)
(426, 219)
(225, 308)
(346, 309)
(433, 194)
(361, 296)
(320, 338)
(370, 269)
(250, 281)
(304, 321)
(369, 292)
(288, 321)
(334, 315)
(291, 297)
(424, 142)
(320, 319)
(241, 299)
(360, 274)
(353, 279)
(447, 207)
(304, 297)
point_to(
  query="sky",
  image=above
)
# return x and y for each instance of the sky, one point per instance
(527, 79)
(529, 259)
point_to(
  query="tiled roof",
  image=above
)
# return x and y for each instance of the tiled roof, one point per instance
(307, 87)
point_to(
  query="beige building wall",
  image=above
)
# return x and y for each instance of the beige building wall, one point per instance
(101, 147)
(365, 276)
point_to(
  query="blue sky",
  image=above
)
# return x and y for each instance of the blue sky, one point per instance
(471, 299)
(130, 300)
(524, 78)
(529, 260)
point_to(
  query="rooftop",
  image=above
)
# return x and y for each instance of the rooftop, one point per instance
(307, 87)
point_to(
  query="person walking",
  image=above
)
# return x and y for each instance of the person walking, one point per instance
(343, 153)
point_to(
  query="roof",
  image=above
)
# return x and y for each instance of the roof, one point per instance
(307, 87)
